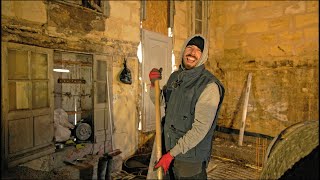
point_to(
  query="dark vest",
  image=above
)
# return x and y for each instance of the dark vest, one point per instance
(181, 93)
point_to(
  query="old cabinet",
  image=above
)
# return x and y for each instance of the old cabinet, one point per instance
(27, 103)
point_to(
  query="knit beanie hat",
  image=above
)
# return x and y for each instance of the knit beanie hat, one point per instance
(197, 41)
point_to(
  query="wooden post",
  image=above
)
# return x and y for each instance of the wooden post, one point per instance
(245, 107)
(158, 126)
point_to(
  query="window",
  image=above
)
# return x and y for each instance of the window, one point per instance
(200, 17)
(93, 4)
(101, 6)
(27, 79)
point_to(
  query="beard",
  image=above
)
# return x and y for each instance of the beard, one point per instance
(189, 60)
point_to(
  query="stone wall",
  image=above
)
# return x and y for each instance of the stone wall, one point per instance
(182, 27)
(277, 41)
(156, 17)
(63, 26)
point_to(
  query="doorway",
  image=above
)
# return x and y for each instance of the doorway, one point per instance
(156, 53)
(73, 92)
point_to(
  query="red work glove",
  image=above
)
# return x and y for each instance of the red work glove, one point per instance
(164, 162)
(155, 74)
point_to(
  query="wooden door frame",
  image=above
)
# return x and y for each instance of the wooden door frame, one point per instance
(4, 123)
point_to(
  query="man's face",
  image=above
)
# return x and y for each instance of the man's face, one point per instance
(191, 56)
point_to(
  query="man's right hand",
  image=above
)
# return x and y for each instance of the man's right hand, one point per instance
(155, 74)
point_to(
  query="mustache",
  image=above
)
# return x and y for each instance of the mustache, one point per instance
(190, 55)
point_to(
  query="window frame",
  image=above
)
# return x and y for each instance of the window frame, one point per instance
(30, 80)
(104, 8)
(204, 20)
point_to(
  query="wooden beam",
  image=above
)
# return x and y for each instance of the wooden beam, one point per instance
(245, 107)
(158, 126)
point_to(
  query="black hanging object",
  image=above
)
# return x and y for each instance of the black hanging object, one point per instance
(125, 75)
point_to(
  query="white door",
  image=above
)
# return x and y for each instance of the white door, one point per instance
(156, 53)
(102, 75)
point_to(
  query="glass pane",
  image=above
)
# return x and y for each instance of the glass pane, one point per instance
(101, 70)
(17, 64)
(101, 92)
(198, 9)
(39, 94)
(39, 65)
(198, 27)
(19, 95)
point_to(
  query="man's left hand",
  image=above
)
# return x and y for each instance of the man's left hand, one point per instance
(164, 162)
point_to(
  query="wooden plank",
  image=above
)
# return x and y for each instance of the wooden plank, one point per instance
(20, 134)
(22, 95)
(158, 126)
(86, 89)
(4, 108)
(99, 116)
(65, 62)
(43, 130)
(40, 94)
(245, 107)
(13, 115)
(31, 155)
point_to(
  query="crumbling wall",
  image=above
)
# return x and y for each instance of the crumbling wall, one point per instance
(277, 41)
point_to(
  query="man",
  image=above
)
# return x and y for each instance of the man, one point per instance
(193, 97)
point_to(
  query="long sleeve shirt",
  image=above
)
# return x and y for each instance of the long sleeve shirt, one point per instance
(205, 112)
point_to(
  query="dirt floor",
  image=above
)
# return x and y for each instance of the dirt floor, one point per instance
(21, 172)
(229, 161)
(220, 169)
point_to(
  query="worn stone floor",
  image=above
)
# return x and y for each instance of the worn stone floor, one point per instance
(229, 161)
(219, 168)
